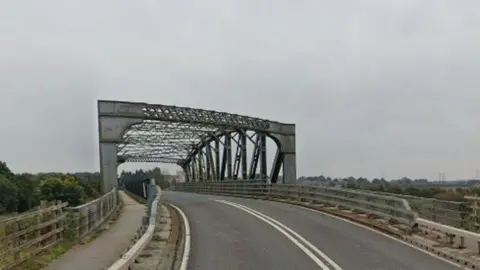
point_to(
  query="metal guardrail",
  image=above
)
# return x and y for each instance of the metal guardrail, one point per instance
(450, 213)
(87, 217)
(454, 235)
(388, 207)
(132, 254)
(381, 204)
(454, 223)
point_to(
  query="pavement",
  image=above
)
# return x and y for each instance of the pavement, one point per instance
(107, 248)
(225, 237)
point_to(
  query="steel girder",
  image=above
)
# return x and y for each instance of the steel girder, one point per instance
(224, 156)
(208, 145)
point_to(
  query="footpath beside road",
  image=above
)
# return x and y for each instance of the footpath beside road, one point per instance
(104, 250)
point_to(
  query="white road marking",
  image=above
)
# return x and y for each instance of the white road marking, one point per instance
(278, 226)
(301, 238)
(381, 233)
(186, 248)
(375, 231)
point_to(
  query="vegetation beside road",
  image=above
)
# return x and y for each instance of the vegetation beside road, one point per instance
(35, 229)
(22, 192)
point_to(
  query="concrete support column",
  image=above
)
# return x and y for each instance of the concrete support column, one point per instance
(290, 168)
(111, 128)
(288, 153)
(108, 165)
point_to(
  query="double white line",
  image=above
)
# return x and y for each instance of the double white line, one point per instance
(322, 260)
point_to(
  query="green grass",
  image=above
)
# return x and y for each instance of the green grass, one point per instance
(45, 258)
(5, 216)
(9, 258)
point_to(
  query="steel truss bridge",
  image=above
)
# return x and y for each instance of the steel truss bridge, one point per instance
(207, 145)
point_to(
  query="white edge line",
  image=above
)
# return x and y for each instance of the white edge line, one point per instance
(186, 247)
(289, 237)
(378, 232)
(294, 233)
(370, 229)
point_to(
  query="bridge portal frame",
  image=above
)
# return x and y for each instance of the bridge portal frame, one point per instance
(117, 118)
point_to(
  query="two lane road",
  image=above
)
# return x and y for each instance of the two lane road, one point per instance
(235, 233)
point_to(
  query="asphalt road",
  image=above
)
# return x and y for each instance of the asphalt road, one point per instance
(226, 237)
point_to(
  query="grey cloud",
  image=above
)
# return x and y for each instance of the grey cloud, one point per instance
(371, 85)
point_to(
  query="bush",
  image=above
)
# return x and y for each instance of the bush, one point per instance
(61, 187)
(22, 192)
(450, 196)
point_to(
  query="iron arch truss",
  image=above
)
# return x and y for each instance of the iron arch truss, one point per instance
(208, 145)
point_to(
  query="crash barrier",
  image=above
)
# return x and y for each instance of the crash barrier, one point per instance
(388, 207)
(454, 236)
(451, 213)
(380, 203)
(132, 254)
(24, 236)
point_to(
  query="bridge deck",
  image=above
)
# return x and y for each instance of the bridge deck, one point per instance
(225, 236)
(109, 246)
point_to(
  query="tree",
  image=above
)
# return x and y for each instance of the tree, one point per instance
(28, 192)
(91, 183)
(351, 185)
(5, 171)
(8, 195)
(61, 187)
(160, 180)
(140, 175)
(22, 192)
(362, 182)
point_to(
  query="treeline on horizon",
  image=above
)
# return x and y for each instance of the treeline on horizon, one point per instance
(403, 186)
(20, 192)
(161, 179)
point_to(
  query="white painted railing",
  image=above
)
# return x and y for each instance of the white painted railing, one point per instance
(129, 257)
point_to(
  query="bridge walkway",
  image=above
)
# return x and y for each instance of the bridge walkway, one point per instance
(104, 250)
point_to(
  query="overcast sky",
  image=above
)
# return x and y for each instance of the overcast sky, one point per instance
(372, 85)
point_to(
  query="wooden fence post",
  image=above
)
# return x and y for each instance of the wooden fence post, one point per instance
(16, 242)
(38, 222)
